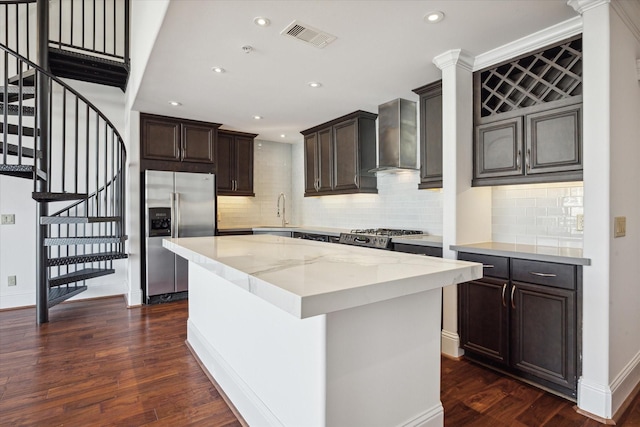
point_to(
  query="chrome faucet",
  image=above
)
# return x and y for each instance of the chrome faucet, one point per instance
(284, 207)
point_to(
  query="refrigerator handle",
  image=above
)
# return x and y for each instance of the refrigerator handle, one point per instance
(177, 196)
(173, 214)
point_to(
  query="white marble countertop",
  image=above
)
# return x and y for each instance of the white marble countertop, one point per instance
(532, 252)
(306, 278)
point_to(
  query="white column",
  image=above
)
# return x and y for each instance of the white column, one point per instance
(594, 392)
(466, 210)
(134, 262)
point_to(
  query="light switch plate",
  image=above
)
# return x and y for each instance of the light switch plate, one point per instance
(580, 222)
(619, 226)
(6, 219)
(12, 281)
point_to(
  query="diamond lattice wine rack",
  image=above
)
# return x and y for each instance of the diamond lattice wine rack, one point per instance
(549, 75)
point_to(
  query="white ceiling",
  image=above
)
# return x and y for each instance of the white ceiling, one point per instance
(383, 50)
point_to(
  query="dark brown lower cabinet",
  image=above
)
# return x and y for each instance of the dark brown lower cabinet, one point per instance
(525, 323)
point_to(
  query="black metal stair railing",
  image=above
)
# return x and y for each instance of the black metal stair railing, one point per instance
(77, 163)
(19, 22)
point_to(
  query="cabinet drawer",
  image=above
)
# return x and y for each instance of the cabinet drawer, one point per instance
(493, 266)
(544, 273)
(420, 250)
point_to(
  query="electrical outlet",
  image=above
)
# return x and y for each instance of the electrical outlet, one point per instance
(12, 281)
(580, 222)
(6, 219)
(619, 226)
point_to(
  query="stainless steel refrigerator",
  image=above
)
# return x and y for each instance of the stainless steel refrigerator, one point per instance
(177, 204)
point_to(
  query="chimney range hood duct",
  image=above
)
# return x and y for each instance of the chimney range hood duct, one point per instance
(397, 136)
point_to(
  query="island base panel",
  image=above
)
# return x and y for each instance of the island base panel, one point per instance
(374, 365)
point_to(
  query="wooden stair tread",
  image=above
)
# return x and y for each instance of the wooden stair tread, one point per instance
(86, 258)
(77, 219)
(79, 275)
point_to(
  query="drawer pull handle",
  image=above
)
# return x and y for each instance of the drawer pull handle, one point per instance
(487, 265)
(513, 302)
(504, 288)
(542, 274)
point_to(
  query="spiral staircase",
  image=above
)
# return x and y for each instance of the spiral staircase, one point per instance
(55, 137)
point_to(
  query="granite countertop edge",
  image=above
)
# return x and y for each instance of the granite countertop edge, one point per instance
(531, 252)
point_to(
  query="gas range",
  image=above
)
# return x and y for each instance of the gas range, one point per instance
(379, 238)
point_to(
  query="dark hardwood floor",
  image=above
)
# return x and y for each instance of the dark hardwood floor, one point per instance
(98, 363)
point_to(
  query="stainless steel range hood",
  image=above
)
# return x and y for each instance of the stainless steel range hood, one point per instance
(397, 136)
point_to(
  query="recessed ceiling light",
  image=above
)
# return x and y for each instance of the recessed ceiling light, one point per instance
(261, 22)
(282, 135)
(218, 70)
(257, 117)
(433, 17)
(315, 84)
(175, 103)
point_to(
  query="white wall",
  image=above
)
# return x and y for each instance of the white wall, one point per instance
(272, 175)
(624, 256)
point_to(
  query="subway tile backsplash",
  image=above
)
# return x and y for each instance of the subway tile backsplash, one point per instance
(537, 214)
(272, 175)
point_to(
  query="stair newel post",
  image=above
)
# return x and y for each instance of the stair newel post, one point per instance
(42, 142)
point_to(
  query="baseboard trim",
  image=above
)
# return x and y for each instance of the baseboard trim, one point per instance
(245, 401)
(594, 400)
(625, 387)
(433, 417)
(217, 386)
(450, 344)
(606, 421)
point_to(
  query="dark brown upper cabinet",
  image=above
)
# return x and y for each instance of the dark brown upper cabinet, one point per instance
(234, 176)
(528, 118)
(339, 155)
(430, 135)
(169, 143)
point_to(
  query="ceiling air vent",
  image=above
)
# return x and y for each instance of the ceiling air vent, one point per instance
(307, 34)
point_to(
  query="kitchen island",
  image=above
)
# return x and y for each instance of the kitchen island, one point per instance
(302, 333)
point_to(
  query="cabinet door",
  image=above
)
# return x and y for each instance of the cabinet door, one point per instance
(160, 139)
(345, 136)
(325, 160)
(544, 333)
(224, 170)
(498, 149)
(554, 142)
(484, 319)
(198, 143)
(310, 164)
(244, 166)
(431, 139)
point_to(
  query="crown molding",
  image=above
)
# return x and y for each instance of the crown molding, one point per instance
(581, 6)
(629, 12)
(457, 57)
(530, 43)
